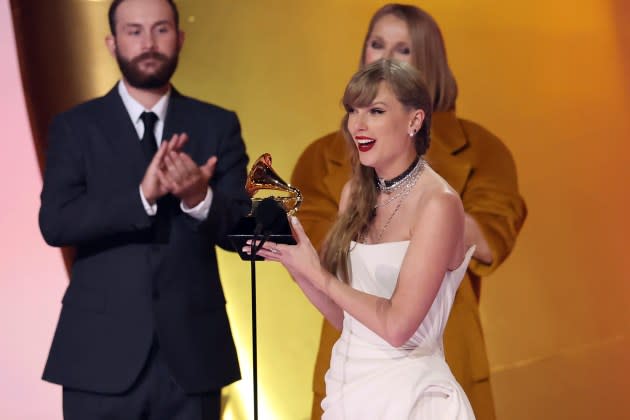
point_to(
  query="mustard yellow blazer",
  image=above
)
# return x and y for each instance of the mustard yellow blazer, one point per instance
(476, 164)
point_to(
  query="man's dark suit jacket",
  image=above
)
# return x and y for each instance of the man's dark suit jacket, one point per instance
(137, 276)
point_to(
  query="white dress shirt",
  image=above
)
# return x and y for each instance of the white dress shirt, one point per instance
(135, 110)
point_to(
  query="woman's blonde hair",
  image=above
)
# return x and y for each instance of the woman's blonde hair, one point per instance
(428, 53)
(409, 88)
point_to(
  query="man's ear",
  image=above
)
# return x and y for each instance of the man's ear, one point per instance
(110, 42)
(181, 36)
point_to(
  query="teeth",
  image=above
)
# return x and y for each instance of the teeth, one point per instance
(365, 141)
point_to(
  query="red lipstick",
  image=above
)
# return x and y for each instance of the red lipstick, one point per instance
(364, 143)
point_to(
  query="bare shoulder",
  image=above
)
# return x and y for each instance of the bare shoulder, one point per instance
(443, 202)
(438, 192)
(438, 221)
(437, 200)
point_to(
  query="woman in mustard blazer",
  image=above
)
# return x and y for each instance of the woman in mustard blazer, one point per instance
(473, 161)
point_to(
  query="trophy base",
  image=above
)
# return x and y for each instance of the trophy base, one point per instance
(244, 231)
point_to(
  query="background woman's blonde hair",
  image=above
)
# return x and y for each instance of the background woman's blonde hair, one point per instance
(428, 53)
(409, 88)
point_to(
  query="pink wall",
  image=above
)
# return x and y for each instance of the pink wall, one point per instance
(32, 276)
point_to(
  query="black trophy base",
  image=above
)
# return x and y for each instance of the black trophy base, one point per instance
(244, 231)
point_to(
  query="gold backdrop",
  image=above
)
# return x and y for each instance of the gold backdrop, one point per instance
(550, 78)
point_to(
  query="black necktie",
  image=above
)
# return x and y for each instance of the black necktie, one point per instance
(149, 145)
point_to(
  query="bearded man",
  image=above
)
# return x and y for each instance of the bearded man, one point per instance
(143, 182)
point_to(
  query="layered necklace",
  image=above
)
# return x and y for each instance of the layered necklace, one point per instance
(402, 184)
(390, 185)
(399, 187)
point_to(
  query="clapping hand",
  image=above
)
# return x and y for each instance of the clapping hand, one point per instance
(152, 187)
(184, 179)
(173, 171)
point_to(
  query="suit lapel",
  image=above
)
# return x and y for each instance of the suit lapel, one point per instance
(448, 139)
(177, 121)
(122, 135)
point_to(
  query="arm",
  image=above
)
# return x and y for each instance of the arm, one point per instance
(474, 236)
(322, 301)
(432, 250)
(71, 213)
(494, 207)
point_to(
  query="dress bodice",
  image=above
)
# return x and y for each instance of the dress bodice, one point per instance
(375, 269)
(368, 377)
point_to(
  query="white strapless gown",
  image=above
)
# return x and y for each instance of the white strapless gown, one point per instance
(369, 379)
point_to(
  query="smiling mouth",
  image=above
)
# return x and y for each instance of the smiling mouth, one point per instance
(364, 143)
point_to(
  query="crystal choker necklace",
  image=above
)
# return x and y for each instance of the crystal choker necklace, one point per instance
(387, 186)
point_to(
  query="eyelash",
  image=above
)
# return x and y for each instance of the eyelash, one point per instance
(377, 46)
(377, 111)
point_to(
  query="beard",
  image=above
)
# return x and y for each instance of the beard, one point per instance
(139, 78)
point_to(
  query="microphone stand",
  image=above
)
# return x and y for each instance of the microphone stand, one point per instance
(266, 221)
(253, 251)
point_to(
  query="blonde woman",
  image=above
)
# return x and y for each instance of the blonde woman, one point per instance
(398, 255)
(472, 160)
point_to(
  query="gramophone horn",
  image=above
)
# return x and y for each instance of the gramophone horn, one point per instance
(263, 181)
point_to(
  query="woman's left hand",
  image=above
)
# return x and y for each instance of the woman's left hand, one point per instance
(301, 260)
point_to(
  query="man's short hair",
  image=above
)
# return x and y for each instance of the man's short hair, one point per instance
(111, 14)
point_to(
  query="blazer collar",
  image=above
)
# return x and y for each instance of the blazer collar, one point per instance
(447, 131)
(135, 108)
(447, 140)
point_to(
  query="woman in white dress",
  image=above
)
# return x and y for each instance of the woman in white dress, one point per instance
(398, 254)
